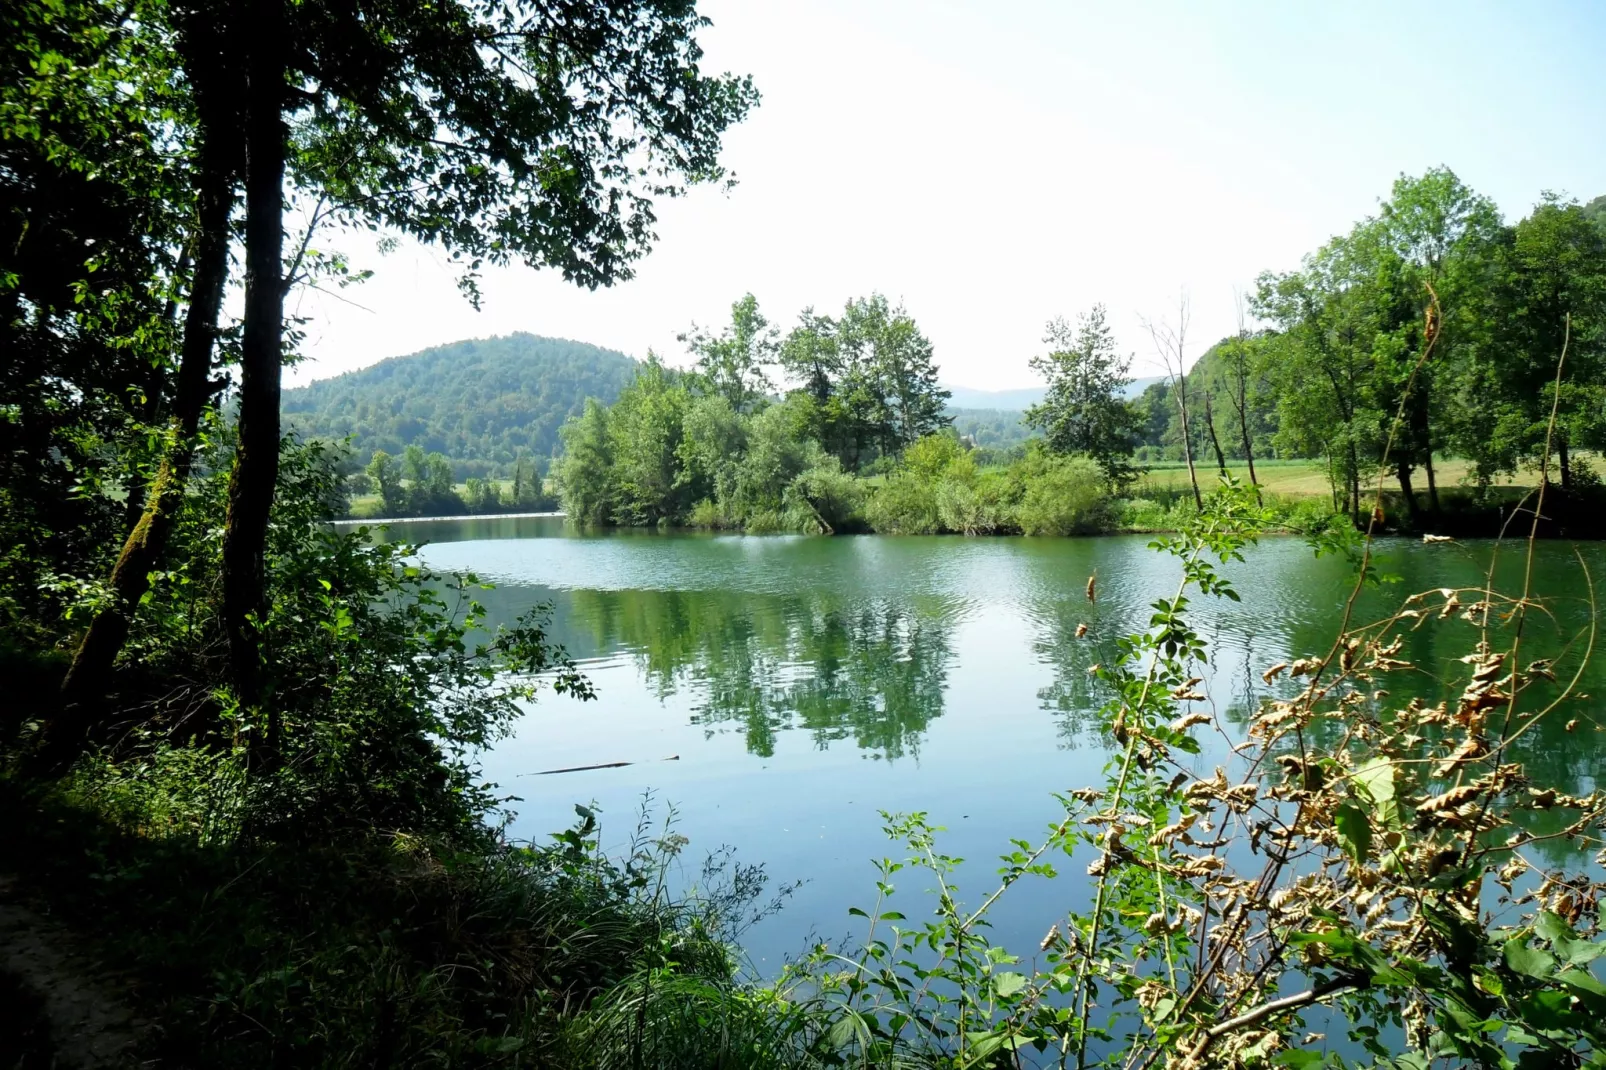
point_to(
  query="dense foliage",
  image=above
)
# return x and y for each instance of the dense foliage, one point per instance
(481, 404)
(859, 442)
(242, 755)
(714, 448)
(1342, 343)
(241, 751)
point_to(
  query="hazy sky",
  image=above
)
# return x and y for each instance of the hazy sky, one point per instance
(992, 165)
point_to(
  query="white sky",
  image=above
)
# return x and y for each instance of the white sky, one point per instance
(996, 164)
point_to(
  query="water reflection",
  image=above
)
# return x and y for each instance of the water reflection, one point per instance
(873, 672)
(869, 640)
(806, 684)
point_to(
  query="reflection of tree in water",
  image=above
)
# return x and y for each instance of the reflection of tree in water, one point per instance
(871, 672)
(1074, 697)
(1553, 756)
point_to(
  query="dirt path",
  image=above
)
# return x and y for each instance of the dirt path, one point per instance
(78, 1015)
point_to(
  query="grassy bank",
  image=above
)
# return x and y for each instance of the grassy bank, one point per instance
(379, 950)
(1310, 478)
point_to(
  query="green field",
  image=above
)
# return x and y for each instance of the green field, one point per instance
(1304, 478)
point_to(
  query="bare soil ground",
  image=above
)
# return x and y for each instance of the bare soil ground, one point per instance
(58, 1008)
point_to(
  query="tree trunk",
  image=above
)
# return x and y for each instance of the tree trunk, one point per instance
(155, 388)
(1564, 459)
(1210, 424)
(1423, 433)
(1402, 471)
(1433, 484)
(256, 455)
(146, 545)
(1248, 443)
(1179, 387)
(1354, 478)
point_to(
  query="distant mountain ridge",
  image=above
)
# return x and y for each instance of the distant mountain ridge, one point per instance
(480, 402)
(964, 397)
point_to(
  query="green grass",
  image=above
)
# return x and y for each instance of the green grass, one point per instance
(1309, 478)
(373, 951)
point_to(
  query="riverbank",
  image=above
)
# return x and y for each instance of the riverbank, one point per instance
(139, 944)
(352, 521)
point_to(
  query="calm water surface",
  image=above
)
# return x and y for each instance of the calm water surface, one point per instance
(806, 684)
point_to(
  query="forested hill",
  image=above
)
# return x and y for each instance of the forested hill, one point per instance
(479, 402)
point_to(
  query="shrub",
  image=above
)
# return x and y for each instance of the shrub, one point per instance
(985, 506)
(906, 504)
(824, 499)
(1146, 514)
(711, 515)
(1064, 496)
(1307, 516)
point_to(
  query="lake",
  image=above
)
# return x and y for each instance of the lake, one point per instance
(804, 684)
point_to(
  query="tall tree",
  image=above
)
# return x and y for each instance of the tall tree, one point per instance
(889, 390)
(1170, 345)
(811, 356)
(1236, 361)
(500, 129)
(1549, 291)
(734, 363)
(1083, 410)
(1443, 235)
(102, 166)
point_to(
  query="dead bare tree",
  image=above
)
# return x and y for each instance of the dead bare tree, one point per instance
(1215, 440)
(1170, 342)
(1238, 393)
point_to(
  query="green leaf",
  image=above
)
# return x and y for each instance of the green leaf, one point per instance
(1376, 779)
(1007, 984)
(1298, 1059)
(1355, 829)
(1552, 927)
(1528, 961)
(1574, 951)
(1582, 981)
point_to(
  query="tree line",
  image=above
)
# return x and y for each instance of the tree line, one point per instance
(1430, 329)
(1511, 317)
(714, 445)
(840, 426)
(423, 484)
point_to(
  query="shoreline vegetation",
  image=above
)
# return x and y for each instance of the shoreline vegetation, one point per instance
(257, 934)
(239, 756)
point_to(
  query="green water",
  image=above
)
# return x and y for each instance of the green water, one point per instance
(804, 684)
